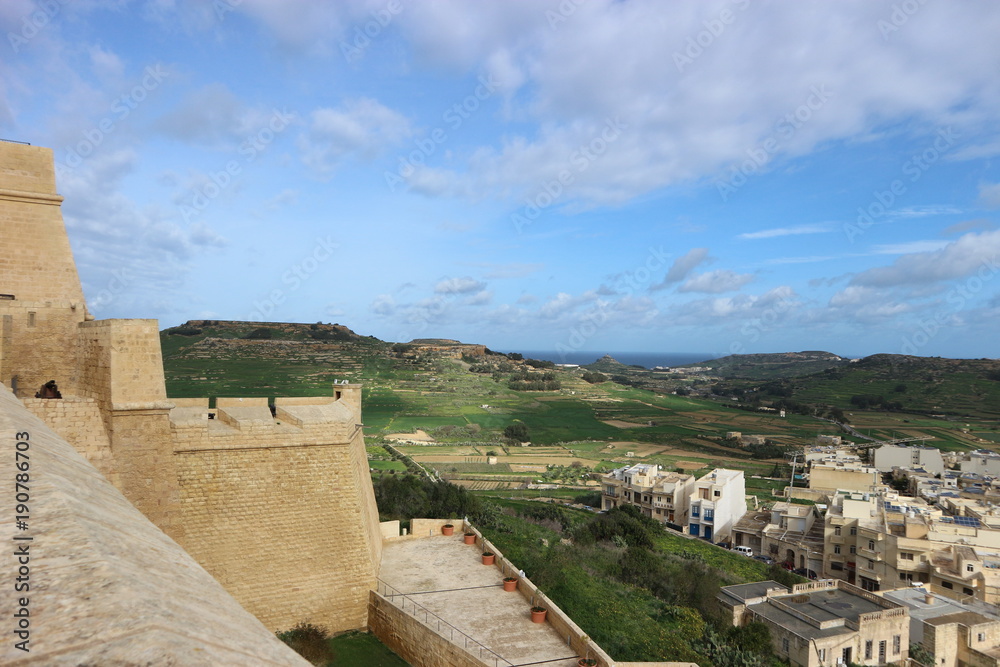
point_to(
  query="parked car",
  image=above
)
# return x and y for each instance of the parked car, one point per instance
(724, 545)
(767, 560)
(746, 551)
(803, 572)
(788, 566)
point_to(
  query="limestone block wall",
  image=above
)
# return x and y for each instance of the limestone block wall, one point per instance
(121, 363)
(78, 421)
(280, 510)
(106, 586)
(38, 280)
(412, 640)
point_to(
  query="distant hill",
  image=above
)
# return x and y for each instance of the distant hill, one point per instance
(608, 364)
(771, 366)
(929, 385)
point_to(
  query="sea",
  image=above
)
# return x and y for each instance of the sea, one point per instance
(644, 359)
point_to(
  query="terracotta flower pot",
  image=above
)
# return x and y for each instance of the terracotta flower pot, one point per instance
(470, 538)
(538, 614)
(586, 662)
(488, 558)
(447, 529)
(510, 584)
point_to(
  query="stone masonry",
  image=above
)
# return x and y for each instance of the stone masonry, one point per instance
(278, 507)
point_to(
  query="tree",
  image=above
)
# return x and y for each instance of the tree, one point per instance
(517, 431)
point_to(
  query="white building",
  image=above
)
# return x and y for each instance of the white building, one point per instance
(717, 502)
(899, 456)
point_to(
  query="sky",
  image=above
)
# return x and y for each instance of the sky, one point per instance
(726, 177)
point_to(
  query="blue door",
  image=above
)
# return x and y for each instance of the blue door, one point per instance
(708, 532)
(693, 529)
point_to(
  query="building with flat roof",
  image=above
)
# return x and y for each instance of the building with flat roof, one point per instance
(956, 633)
(822, 623)
(889, 456)
(661, 495)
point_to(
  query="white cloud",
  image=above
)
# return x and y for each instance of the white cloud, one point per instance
(815, 228)
(361, 128)
(465, 285)
(957, 259)
(908, 247)
(682, 266)
(716, 282)
(383, 304)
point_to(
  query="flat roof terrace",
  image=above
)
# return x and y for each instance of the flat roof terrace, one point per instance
(447, 579)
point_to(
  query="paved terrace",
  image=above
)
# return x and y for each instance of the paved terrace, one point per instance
(447, 579)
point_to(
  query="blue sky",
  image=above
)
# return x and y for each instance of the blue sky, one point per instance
(723, 177)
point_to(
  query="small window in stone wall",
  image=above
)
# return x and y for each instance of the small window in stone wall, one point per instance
(31, 319)
(784, 644)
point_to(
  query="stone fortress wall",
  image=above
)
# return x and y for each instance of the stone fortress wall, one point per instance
(278, 508)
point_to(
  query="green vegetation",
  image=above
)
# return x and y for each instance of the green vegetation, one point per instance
(350, 649)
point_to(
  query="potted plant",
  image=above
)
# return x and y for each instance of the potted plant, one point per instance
(447, 529)
(586, 662)
(510, 584)
(470, 538)
(538, 614)
(488, 557)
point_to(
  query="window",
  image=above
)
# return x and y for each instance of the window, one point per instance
(895, 644)
(784, 644)
(709, 515)
(836, 566)
(906, 576)
(717, 494)
(881, 651)
(905, 556)
(854, 549)
(868, 650)
(31, 319)
(871, 545)
(970, 567)
(836, 548)
(822, 655)
(871, 564)
(967, 590)
(836, 530)
(695, 511)
(854, 530)
(981, 636)
(947, 584)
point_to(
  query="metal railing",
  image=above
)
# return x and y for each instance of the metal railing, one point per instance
(444, 629)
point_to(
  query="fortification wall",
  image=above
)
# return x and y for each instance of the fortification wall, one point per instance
(106, 586)
(280, 509)
(40, 287)
(78, 421)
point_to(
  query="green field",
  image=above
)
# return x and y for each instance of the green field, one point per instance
(595, 426)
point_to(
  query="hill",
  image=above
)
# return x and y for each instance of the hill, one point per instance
(771, 366)
(895, 382)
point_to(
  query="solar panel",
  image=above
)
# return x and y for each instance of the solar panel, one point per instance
(967, 521)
